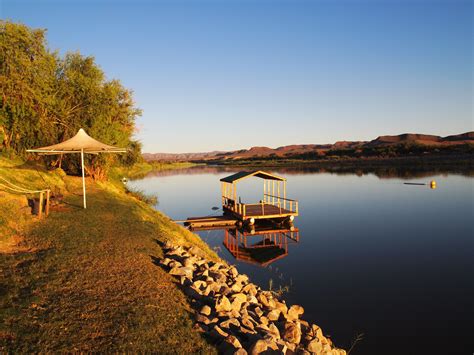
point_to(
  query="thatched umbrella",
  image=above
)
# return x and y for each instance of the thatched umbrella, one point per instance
(80, 143)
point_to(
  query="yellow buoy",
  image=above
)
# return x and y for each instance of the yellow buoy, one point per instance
(433, 184)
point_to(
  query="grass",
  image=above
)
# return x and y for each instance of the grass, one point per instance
(88, 281)
(141, 169)
(140, 195)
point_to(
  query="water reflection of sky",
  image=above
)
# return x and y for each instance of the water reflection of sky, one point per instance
(375, 255)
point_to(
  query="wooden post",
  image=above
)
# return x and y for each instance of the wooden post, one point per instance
(264, 191)
(234, 187)
(284, 194)
(48, 192)
(83, 178)
(40, 208)
(273, 192)
(279, 201)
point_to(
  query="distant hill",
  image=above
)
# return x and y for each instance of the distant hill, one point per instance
(407, 143)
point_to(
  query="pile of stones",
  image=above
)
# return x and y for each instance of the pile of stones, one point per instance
(237, 315)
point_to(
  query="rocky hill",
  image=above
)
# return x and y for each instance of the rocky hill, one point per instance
(314, 150)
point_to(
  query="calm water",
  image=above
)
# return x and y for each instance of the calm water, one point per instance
(375, 256)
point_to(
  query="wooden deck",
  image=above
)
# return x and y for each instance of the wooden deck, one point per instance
(259, 211)
(219, 222)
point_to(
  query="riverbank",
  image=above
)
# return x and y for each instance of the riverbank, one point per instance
(140, 170)
(237, 315)
(88, 279)
(457, 161)
(85, 280)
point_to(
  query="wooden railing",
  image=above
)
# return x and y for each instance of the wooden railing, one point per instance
(43, 194)
(235, 207)
(281, 202)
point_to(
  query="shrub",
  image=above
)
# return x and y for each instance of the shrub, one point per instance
(142, 196)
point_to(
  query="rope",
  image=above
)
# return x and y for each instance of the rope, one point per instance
(16, 188)
(20, 191)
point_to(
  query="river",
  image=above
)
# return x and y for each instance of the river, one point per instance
(375, 257)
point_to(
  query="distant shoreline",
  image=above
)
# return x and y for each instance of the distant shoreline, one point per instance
(433, 160)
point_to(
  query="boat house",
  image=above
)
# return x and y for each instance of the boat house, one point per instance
(273, 205)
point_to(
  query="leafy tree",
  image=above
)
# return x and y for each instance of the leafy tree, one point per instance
(27, 78)
(45, 99)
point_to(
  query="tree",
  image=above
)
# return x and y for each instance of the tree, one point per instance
(27, 76)
(46, 99)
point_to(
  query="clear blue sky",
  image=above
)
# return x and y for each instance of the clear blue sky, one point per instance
(224, 75)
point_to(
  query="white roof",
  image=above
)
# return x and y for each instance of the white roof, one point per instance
(81, 141)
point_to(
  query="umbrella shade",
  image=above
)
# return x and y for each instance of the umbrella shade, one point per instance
(80, 143)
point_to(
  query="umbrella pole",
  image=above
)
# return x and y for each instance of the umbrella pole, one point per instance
(83, 178)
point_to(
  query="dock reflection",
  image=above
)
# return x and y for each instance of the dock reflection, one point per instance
(260, 246)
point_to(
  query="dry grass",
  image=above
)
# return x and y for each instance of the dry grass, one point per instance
(91, 284)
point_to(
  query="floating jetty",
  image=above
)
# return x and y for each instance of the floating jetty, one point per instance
(274, 205)
(207, 223)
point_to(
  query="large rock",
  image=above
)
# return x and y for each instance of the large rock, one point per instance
(206, 310)
(231, 321)
(241, 297)
(258, 347)
(291, 332)
(242, 278)
(174, 264)
(236, 287)
(252, 299)
(218, 276)
(274, 330)
(233, 272)
(202, 319)
(182, 271)
(194, 250)
(246, 321)
(315, 346)
(189, 262)
(294, 312)
(250, 289)
(273, 315)
(218, 333)
(223, 304)
(214, 266)
(258, 311)
(263, 320)
(198, 285)
(236, 305)
(165, 261)
(233, 342)
(262, 299)
(281, 307)
(168, 245)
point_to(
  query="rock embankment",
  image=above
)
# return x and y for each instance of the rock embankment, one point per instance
(237, 315)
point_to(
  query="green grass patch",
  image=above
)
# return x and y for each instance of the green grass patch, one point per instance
(141, 169)
(140, 195)
(88, 281)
